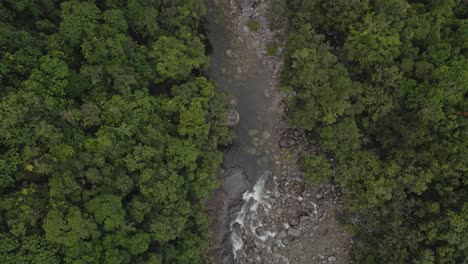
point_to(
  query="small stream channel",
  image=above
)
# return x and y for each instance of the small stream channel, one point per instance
(247, 80)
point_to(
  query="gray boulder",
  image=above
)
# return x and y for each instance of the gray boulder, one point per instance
(293, 232)
(235, 182)
(233, 118)
(287, 142)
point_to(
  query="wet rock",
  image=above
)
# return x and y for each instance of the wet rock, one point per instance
(235, 182)
(267, 93)
(251, 150)
(260, 231)
(269, 242)
(233, 101)
(233, 118)
(294, 232)
(247, 4)
(304, 220)
(252, 132)
(266, 135)
(281, 234)
(287, 142)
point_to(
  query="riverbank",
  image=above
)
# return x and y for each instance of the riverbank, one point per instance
(283, 219)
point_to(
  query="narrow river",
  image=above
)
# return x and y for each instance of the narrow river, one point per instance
(245, 78)
(264, 211)
(248, 81)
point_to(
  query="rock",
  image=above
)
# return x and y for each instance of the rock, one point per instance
(281, 234)
(233, 101)
(260, 231)
(319, 196)
(252, 132)
(253, 217)
(251, 150)
(267, 93)
(233, 118)
(332, 259)
(246, 4)
(235, 182)
(294, 232)
(287, 142)
(266, 135)
(304, 220)
(229, 53)
(269, 242)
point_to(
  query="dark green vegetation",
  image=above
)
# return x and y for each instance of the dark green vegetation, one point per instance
(253, 25)
(382, 86)
(93, 167)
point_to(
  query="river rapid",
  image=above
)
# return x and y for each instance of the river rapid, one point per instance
(264, 212)
(248, 79)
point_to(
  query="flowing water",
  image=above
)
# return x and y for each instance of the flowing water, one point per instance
(248, 82)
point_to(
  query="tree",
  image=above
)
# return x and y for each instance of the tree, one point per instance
(109, 132)
(397, 144)
(317, 168)
(176, 57)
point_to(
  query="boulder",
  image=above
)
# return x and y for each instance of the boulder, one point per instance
(286, 142)
(251, 150)
(293, 232)
(252, 132)
(235, 182)
(247, 4)
(266, 135)
(233, 102)
(304, 220)
(233, 118)
(281, 234)
(267, 93)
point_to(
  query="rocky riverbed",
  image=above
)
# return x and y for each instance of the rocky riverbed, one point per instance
(264, 212)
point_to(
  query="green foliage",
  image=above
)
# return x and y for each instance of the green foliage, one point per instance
(317, 168)
(322, 86)
(176, 57)
(93, 167)
(276, 13)
(272, 49)
(253, 25)
(384, 90)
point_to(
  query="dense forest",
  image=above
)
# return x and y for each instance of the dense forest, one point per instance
(381, 86)
(109, 132)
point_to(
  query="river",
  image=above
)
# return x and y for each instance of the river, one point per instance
(248, 81)
(264, 211)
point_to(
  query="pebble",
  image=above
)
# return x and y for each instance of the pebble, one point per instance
(332, 259)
